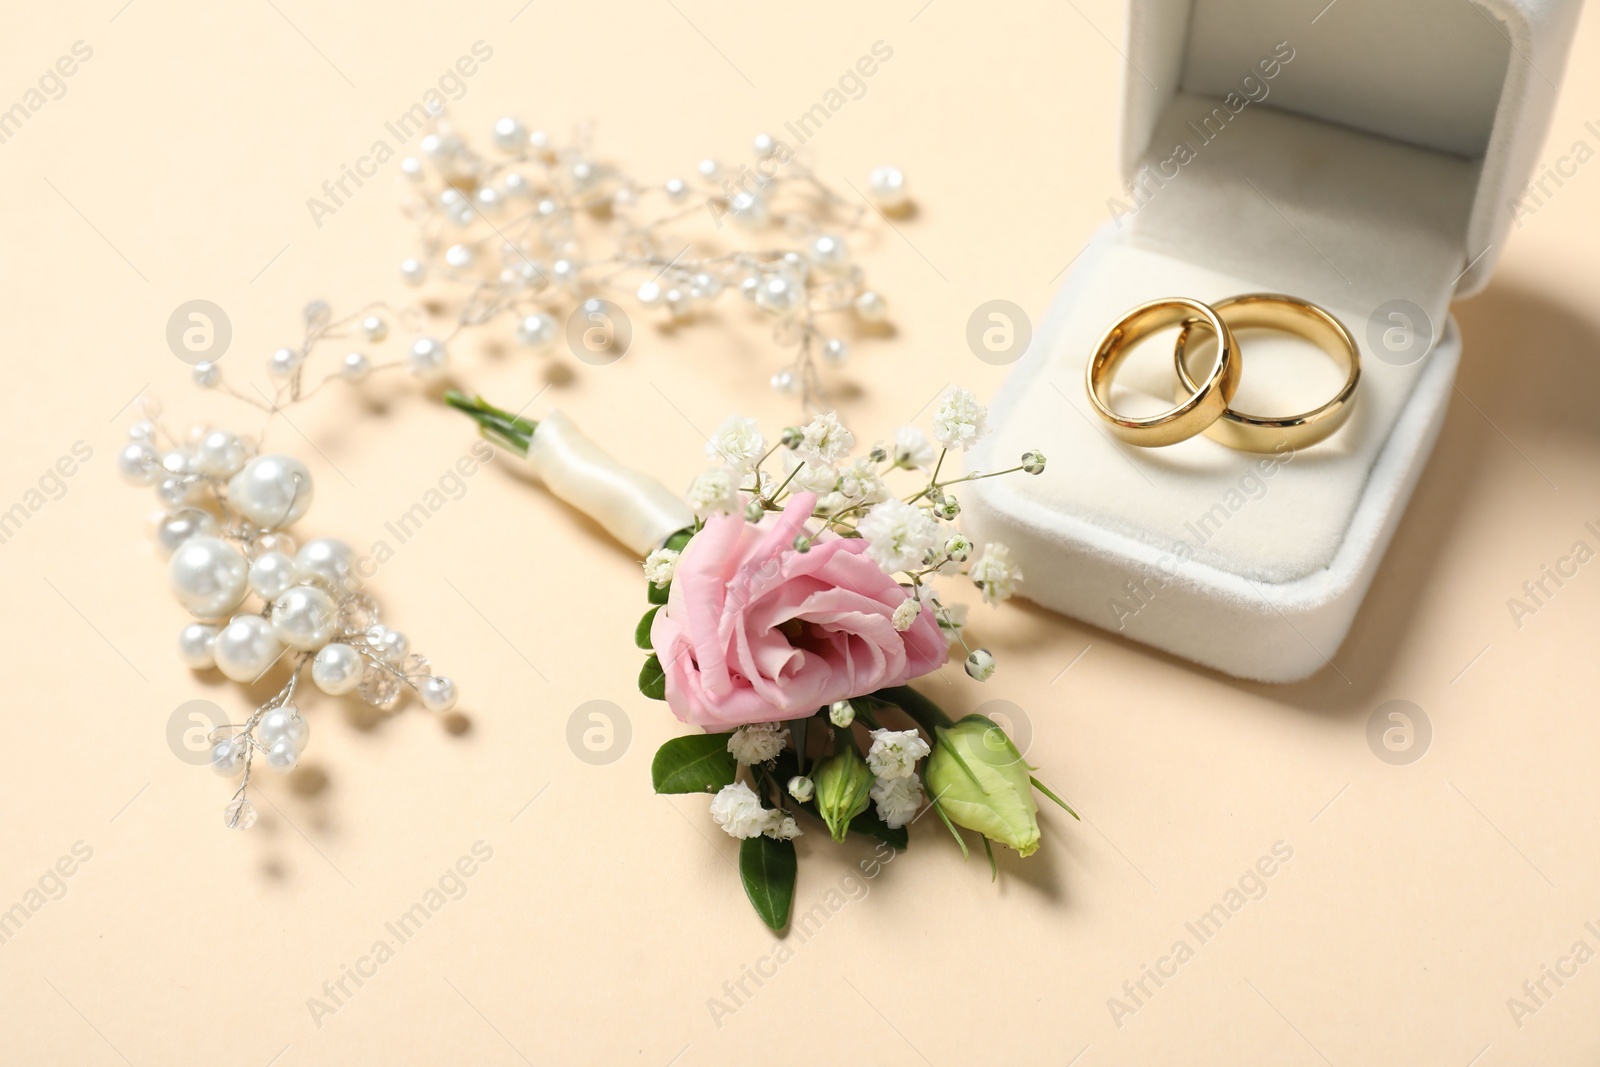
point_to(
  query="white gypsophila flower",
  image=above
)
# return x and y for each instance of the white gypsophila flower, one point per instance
(897, 799)
(811, 477)
(737, 442)
(912, 449)
(959, 420)
(824, 441)
(899, 535)
(894, 753)
(860, 482)
(714, 491)
(781, 827)
(757, 742)
(906, 614)
(995, 573)
(659, 565)
(738, 810)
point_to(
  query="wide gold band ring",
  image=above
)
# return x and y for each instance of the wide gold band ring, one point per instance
(1272, 311)
(1194, 413)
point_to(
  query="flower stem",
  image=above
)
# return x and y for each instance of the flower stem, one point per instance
(503, 427)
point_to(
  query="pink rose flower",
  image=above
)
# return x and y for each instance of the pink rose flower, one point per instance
(754, 631)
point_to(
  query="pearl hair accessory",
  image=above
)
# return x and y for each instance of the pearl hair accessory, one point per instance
(258, 598)
(538, 233)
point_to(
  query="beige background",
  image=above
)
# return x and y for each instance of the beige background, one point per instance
(1418, 899)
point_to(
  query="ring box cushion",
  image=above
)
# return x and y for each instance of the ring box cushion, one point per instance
(1363, 162)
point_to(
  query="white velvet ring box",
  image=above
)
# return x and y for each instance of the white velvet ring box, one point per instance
(1365, 155)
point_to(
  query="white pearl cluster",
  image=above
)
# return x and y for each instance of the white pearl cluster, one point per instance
(258, 599)
(508, 225)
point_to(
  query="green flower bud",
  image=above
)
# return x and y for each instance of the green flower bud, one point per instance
(1033, 462)
(843, 785)
(980, 781)
(841, 713)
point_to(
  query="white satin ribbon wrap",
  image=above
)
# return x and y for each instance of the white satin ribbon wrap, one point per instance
(633, 507)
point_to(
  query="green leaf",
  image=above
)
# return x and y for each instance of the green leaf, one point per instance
(679, 539)
(927, 714)
(657, 594)
(868, 823)
(699, 763)
(652, 679)
(768, 870)
(641, 633)
(994, 868)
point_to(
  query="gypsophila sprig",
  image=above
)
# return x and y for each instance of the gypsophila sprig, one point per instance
(261, 603)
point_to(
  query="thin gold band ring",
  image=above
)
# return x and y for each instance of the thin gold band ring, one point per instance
(1273, 311)
(1194, 413)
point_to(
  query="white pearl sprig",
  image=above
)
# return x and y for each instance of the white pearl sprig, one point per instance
(259, 599)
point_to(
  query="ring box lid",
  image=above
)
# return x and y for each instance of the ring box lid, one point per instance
(1400, 135)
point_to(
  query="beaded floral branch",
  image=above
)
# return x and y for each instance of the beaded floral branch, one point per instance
(259, 599)
(538, 233)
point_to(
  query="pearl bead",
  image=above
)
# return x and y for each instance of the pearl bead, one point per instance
(374, 328)
(227, 757)
(282, 756)
(828, 251)
(871, 307)
(246, 648)
(304, 618)
(206, 375)
(488, 199)
(390, 646)
(194, 646)
(177, 462)
(539, 141)
(178, 490)
(835, 350)
(284, 362)
(283, 724)
(564, 271)
(207, 575)
(138, 463)
(583, 174)
(748, 210)
(517, 185)
(677, 302)
(355, 367)
(537, 330)
(764, 145)
(709, 168)
(547, 207)
(708, 286)
(326, 561)
(272, 575)
(438, 693)
(220, 454)
(337, 669)
(677, 189)
(784, 382)
(510, 135)
(177, 526)
(433, 146)
(778, 293)
(412, 272)
(458, 256)
(272, 490)
(749, 286)
(888, 187)
(649, 294)
(143, 430)
(411, 167)
(427, 356)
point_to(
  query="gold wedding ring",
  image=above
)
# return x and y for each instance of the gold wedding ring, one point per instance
(1206, 402)
(1271, 311)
